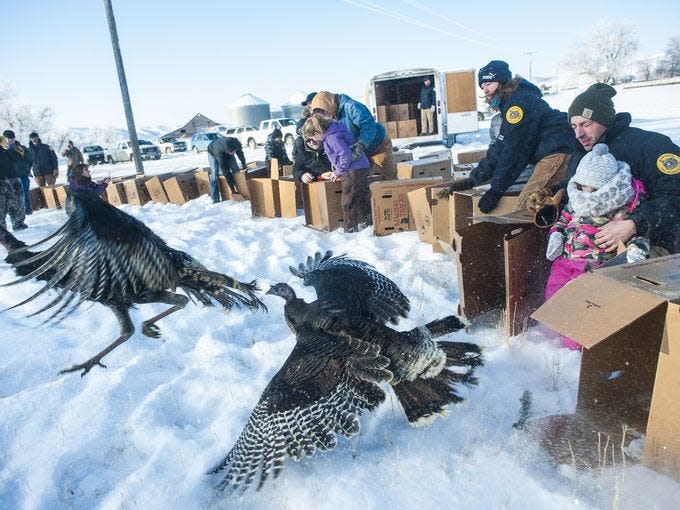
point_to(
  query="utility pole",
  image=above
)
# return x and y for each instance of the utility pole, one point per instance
(530, 53)
(123, 88)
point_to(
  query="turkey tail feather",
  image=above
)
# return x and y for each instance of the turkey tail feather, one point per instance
(209, 286)
(444, 326)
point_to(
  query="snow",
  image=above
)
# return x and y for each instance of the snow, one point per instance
(143, 432)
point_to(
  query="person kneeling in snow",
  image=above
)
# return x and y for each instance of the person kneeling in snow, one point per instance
(601, 190)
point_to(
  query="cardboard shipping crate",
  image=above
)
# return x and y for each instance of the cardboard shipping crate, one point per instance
(432, 216)
(398, 112)
(115, 194)
(391, 129)
(627, 318)
(382, 114)
(407, 128)
(137, 190)
(36, 198)
(402, 155)
(389, 204)
(49, 197)
(61, 193)
(203, 182)
(421, 168)
(471, 156)
(322, 201)
(154, 189)
(181, 188)
(440, 154)
(272, 198)
(225, 191)
(501, 266)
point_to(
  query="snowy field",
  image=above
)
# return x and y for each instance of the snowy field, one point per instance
(142, 433)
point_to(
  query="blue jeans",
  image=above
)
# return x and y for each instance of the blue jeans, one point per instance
(25, 183)
(227, 172)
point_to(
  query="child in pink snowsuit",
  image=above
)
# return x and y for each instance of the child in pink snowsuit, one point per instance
(601, 190)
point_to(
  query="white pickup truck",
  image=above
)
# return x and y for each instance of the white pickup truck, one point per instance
(259, 137)
(123, 152)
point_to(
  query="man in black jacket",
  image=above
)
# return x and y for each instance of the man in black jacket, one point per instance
(428, 99)
(222, 154)
(45, 165)
(309, 160)
(653, 158)
(531, 133)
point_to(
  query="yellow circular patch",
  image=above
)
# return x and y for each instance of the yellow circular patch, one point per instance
(668, 163)
(514, 114)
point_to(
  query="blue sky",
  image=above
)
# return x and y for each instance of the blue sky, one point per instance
(201, 55)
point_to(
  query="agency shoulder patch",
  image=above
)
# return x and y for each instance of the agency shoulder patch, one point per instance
(514, 114)
(668, 163)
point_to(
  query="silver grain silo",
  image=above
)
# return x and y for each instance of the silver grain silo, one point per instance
(248, 110)
(293, 107)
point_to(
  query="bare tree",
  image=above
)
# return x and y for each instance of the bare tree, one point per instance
(23, 119)
(672, 57)
(603, 52)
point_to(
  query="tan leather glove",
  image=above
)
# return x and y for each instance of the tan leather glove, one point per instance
(535, 200)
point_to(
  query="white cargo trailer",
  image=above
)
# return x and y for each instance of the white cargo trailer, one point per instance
(392, 98)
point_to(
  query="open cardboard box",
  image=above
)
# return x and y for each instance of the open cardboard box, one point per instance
(49, 197)
(471, 156)
(322, 202)
(181, 188)
(627, 318)
(390, 205)
(273, 198)
(115, 194)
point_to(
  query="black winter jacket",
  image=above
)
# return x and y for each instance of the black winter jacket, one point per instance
(276, 149)
(220, 148)
(427, 98)
(44, 159)
(307, 160)
(655, 160)
(530, 131)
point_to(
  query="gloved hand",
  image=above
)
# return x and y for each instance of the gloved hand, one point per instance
(536, 199)
(555, 246)
(357, 150)
(418, 106)
(432, 108)
(635, 254)
(489, 201)
(460, 185)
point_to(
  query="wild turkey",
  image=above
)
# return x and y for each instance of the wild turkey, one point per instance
(343, 350)
(105, 255)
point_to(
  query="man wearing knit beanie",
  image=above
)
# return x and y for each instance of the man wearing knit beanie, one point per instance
(653, 159)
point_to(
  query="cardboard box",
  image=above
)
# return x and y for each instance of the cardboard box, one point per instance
(466, 168)
(391, 129)
(397, 112)
(203, 182)
(421, 168)
(290, 197)
(287, 170)
(322, 201)
(627, 318)
(399, 156)
(471, 156)
(407, 128)
(241, 178)
(466, 205)
(389, 204)
(433, 217)
(441, 154)
(272, 198)
(49, 197)
(61, 193)
(181, 188)
(36, 198)
(115, 194)
(225, 191)
(382, 114)
(156, 190)
(137, 190)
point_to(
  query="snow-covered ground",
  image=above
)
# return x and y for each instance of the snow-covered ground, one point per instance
(143, 432)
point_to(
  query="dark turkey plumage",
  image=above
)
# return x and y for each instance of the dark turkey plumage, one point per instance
(343, 351)
(104, 255)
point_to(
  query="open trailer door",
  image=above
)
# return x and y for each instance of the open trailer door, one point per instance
(461, 101)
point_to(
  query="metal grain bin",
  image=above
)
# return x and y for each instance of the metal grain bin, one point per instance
(248, 110)
(292, 108)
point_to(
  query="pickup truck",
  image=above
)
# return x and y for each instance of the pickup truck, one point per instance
(168, 144)
(123, 152)
(259, 137)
